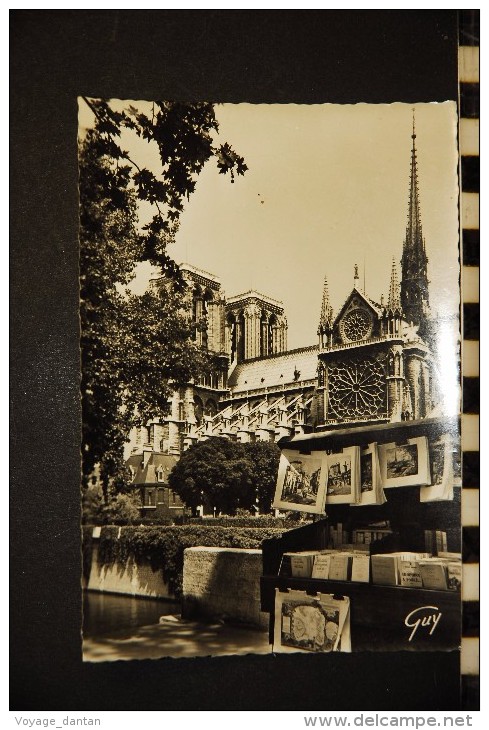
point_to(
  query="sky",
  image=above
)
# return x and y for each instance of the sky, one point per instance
(327, 188)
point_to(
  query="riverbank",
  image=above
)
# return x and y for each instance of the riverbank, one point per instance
(113, 631)
(177, 638)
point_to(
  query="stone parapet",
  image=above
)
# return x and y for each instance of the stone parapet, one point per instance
(223, 584)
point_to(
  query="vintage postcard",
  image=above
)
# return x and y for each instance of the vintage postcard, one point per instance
(253, 277)
(404, 465)
(301, 482)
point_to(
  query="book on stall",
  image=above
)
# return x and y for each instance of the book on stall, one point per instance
(435, 541)
(453, 568)
(441, 541)
(406, 464)
(385, 571)
(343, 476)
(370, 533)
(302, 563)
(371, 491)
(285, 569)
(450, 555)
(360, 568)
(340, 566)
(433, 574)
(354, 547)
(442, 475)
(339, 533)
(410, 573)
(311, 623)
(321, 565)
(454, 575)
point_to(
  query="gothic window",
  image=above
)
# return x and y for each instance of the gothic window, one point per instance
(264, 344)
(231, 323)
(356, 325)
(210, 408)
(240, 340)
(356, 389)
(272, 328)
(321, 376)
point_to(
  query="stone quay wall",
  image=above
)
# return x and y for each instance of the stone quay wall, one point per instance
(130, 579)
(223, 584)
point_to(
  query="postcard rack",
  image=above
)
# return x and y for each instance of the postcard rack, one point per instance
(382, 617)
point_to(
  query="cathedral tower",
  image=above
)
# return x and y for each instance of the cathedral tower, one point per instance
(414, 261)
(256, 326)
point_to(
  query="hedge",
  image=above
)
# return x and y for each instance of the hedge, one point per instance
(228, 521)
(163, 546)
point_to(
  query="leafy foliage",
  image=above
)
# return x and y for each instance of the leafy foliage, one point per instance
(135, 349)
(226, 475)
(164, 546)
(182, 134)
(121, 509)
(264, 458)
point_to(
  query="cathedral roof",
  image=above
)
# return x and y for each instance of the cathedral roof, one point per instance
(147, 474)
(275, 370)
(361, 295)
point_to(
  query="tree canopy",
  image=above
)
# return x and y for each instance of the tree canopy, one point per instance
(226, 475)
(134, 348)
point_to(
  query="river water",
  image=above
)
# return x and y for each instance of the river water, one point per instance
(119, 627)
(105, 614)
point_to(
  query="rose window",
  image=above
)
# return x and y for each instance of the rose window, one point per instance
(356, 390)
(357, 325)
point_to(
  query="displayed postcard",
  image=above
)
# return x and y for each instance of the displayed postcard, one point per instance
(307, 623)
(371, 491)
(405, 465)
(441, 462)
(301, 482)
(343, 476)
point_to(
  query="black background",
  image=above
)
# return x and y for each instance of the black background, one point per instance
(228, 56)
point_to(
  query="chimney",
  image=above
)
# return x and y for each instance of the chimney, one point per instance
(147, 451)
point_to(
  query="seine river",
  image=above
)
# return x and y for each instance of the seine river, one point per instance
(106, 614)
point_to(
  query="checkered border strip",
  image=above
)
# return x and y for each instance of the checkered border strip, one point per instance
(470, 252)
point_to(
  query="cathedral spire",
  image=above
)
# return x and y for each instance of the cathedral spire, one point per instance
(414, 284)
(414, 233)
(326, 308)
(394, 301)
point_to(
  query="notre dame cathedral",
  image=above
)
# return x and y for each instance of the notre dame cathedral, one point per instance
(373, 362)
